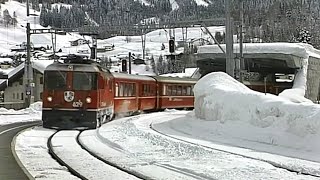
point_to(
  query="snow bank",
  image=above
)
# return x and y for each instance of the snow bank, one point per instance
(37, 106)
(271, 119)
(297, 92)
(34, 108)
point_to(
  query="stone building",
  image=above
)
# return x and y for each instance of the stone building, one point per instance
(12, 89)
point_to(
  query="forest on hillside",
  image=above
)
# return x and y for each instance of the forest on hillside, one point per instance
(264, 20)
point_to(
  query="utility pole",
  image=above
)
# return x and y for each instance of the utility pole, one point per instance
(94, 47)
(129, 62)
(28, 71)
(143, 40)
(28, 12)
(54, 42)
(242, 65)
(229, 41)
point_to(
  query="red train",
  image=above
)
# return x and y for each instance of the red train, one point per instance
(81, 94)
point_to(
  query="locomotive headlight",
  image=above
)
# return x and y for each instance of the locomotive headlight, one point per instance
(49, 98)
(88, 100)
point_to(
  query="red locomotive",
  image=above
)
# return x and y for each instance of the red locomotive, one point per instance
(81, 94)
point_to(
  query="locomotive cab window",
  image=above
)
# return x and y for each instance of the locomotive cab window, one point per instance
(84, 81)
(55, 80)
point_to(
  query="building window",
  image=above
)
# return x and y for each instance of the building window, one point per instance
(17, 95)
(13, 96)
(41, 80)
(21, 96)
(21, 81)
(41, 95)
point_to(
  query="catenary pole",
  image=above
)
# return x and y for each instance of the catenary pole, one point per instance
(242, 64)
(229, 41)
(28, 72)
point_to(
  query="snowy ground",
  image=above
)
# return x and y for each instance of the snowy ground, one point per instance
(233, 133)
(132, 144)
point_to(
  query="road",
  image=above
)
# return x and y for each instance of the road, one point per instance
(9, 167)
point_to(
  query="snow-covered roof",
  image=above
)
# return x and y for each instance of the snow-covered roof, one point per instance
(41, 65)
(38, 65)
(297, 49)
(11, 72)
(2, 60)
(132, 76)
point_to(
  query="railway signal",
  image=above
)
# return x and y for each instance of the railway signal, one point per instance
(171, 46)
(124, 65)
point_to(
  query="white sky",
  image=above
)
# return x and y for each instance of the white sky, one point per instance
(250, 132)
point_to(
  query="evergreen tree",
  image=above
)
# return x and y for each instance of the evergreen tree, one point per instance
(153, 64)
(304, 36)
(160, 66)
(266, 20)
(14, 20)
(7, 18)
(44, 17)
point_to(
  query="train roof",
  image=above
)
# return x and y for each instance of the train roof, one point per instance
(155, 78)
(73, 67)
(175, 79)
(132, 76)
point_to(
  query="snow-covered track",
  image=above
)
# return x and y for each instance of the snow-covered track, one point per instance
(136, 174)
(60, 161)
(276, 165)
(163, 166)
(144, 169)
(67, 149)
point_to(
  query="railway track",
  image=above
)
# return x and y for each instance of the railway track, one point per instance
(61, 161)
(276, 165)
(81, 162)
(161, 166)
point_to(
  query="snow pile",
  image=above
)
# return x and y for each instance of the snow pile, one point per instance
(4, 110)
(34, 108)
(271, 119)
(37, 106)
(297, 92)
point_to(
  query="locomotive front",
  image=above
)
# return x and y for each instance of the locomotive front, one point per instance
(70, 96)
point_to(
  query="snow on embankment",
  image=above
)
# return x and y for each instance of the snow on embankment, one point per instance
(34, 108)
(257, 117)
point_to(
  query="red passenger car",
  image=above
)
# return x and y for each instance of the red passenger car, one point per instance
(81, 94)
